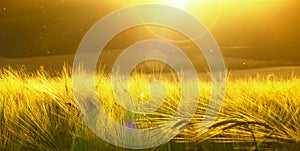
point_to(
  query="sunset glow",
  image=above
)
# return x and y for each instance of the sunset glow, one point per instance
(178, 3)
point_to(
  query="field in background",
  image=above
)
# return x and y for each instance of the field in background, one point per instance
(55, 62)
(260, 112)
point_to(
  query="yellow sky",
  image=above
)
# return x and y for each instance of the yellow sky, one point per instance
(243, 25)
(210, 10)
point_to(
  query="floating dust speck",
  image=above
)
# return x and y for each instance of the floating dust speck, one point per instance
(142, 95)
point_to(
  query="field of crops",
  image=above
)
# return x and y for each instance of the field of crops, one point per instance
(38, 112)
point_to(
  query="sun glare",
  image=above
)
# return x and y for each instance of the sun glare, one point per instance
(179, 3)
(182, 4)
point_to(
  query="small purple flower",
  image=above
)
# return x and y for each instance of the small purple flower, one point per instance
(130, 124)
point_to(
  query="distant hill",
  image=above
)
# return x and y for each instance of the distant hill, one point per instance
(56, 62)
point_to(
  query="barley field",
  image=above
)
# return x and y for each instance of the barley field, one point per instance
(38, 112)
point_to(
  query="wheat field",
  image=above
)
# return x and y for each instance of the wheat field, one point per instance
(38, 112)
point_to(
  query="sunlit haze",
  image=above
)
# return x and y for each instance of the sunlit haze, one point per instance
(242, 28)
